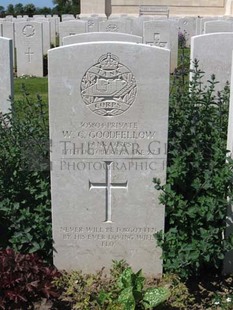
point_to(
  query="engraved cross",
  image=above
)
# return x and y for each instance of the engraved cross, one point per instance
(157, 41)
(108, 186)
(29, 53)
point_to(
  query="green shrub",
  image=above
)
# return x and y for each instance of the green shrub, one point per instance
(24, 280)
(25, 209)
(123, 290)
(199, 179)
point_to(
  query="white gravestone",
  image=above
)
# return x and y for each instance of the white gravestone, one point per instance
(67, 17)
(46, 33)
(113, 26)
(93, 24)
(137, 24)
(46, 36)
(202, 21)
(213, 51)
(6, 74)
(162, 33)
(29, 48)
(108, 107)
(228, 262)
(8, 31)
(73, 27)
(218, 26)
(187, 25)
(52, 30)
(101, 36)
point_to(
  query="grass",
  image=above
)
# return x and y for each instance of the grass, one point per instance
(33, 85)
(39, 86)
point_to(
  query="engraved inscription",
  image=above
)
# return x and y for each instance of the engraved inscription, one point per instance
(29, 53)
(29, 31)
(112, 28)
(108, 236)
(108, 186)
(157, 41)
(90, 23)
(108, 88)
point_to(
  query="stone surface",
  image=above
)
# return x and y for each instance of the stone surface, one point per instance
(218, 26)
(67, 17)
(6, 74)
(214, 54)
(156, 33)
(46, 34)
(108, 107)
(228, 262)
(138, 24)
(71, 28)
(8, 31)
(187, 25)
(29, 48)
(113, 26)
(93, 23)
(93, 7)
(176, 7)
(101, 36)
(162, 33)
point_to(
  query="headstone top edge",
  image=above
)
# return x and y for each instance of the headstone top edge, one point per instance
(5, 38)
(212, 34)
(117, 43)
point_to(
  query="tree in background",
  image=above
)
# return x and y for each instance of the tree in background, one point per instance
(43, 11)
(66, 6)
(2, 11)
(30, 9)
(10, 10)
(19, 9)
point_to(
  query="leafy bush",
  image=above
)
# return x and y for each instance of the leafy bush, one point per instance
(25, 210)
(123, 290)
(199, 179)
(24, 279)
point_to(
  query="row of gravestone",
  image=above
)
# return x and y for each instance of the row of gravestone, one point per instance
(33, 39)
(108, 115)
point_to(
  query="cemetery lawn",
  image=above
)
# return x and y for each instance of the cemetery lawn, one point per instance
(33, 85)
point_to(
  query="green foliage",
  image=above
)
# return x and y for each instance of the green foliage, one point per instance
(25, 211)
(199, 179)
(180, 297)
(66, 7)
(20, 9)
(123, 290)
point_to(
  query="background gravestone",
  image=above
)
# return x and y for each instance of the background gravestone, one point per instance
(218, 26)
(6, 74)
(162, 33)
(72, 27)
(114, 26)
(228, 262)
(108, 126)
(101, 36)
(213, 51)
(8, 31)
(29, 48)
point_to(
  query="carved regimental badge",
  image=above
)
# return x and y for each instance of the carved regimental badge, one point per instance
(29, 31)
(108, 88)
